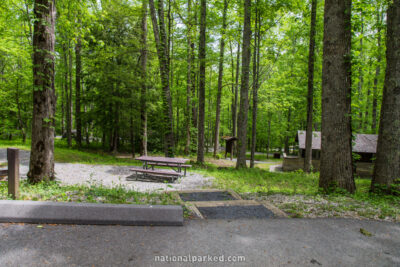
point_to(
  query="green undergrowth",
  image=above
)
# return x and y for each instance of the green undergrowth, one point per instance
(259, 183)
(91, 193)
(64, 154)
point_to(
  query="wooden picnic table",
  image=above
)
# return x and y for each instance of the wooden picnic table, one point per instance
(178, 163)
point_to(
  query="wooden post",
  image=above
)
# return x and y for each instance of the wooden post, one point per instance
(13, 172)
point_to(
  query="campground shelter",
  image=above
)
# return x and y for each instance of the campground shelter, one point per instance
(364, 145)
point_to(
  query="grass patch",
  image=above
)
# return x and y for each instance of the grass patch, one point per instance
(299, 194)
(64, 154)
(91, 193)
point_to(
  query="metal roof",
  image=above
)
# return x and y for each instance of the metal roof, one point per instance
(364, 143)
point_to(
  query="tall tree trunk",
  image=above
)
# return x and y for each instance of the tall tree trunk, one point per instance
(202, 82)
(21, 123)
(132, 132)
(143, 101)
(115, 128)
(62, 107)
(310, 94)
(69, 119)
(387, 167)
(361, 75)
(336, 99)
(289, 118)
(195, 77)
(67, 96)
(177, 119)
(220, 76)
(244, 90)
(236, 94)
(87, 122)
(188, 79)
(41, 165)
(162, 52)
(256, 70)
(377, 74)
(269, 134)
(78, 119)
(366, 120)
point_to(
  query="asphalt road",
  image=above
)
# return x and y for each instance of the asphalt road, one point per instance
(271, 242)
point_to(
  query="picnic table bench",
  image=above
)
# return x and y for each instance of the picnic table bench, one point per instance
(184, 167)
(177, 164)
(157, 174)
(174, 163)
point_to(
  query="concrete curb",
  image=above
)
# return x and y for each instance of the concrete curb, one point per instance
(13, 211)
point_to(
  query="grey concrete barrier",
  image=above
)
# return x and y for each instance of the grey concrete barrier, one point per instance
(14, 211)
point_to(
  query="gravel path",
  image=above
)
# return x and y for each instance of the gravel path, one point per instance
(110, 176)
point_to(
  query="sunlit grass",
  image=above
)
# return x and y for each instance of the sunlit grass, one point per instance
(64, 154)
(92, 193)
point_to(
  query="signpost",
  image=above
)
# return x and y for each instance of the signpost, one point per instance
(13, 172)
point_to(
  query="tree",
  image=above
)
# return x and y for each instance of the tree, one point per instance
(244, 90)
(310, 94)
(78, 119)
(202, 82)
(377, 73)
(143, 57)
(220, 76)
(41, 166)
(387, 168)
(336, 143)
(162, 52)
(188, 122)
(256, 76)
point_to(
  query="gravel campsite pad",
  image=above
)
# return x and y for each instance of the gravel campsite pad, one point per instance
(111, 176)
(236, 212)
(206, 196)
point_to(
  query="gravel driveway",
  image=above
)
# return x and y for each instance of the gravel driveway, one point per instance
(108, 175)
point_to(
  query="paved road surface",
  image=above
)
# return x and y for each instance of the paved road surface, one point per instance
(274, 242)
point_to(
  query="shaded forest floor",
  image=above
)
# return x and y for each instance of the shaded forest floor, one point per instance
(296, 193)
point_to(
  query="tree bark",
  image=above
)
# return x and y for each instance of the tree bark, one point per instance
(188, 79)
(256, 73)
(202, 82)
(269, 134)
(236, 94)
(220, 76)
(78, 119)
(377, 74)
(336, 154)
(387, 167)
(62, 108)
(67, 95)
(132, 132)
(310, 94)
(70, 95)
(162, 52)
(361, 76)
(143, 59)
(41, 165)
(289, 117)
(244, 90)
(194, 76)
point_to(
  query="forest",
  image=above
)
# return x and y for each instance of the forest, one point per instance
(174, 76)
